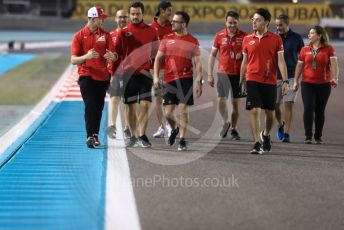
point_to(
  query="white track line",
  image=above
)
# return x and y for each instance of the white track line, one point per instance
(120, 204)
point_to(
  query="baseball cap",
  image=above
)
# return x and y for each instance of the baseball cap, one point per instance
(96, 12)
(163, 5)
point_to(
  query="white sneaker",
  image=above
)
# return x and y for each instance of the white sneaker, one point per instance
(160, 133)
(168, 130)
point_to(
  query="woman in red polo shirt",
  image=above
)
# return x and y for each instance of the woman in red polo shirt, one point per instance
(319, 67)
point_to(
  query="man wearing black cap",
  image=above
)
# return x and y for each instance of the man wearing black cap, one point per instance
(162, 24)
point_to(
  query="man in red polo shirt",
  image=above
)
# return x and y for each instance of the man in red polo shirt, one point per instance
(258, 70)
(91, 50)
(137, 45)
(228, 43)
(122, 20)
(178, 50)
(162, 24)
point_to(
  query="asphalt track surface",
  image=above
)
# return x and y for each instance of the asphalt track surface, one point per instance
(217, 184)
(294, 186)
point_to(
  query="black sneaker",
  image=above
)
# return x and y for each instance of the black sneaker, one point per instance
(318, 140)
(286, 138)
(308, 140)
(266, 141)
(90, 142)
(235, 135)
(111, 131)
(257, 148)
(172, 138)
(127, 133)
(280, 132)
(225, 129)
(96, 139)
(182, 145)
(144, 142)
(132, 142)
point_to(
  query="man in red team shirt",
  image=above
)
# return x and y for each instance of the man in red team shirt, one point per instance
(136, 47)
(228, 43)
(122, 20)
(162, 24)
(258, 70)
(177, 50)
(91, 50)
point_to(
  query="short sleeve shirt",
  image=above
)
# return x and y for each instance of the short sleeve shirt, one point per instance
(228, 48)
(137, 46)
(112, 66)
(179, 52)
(100, 41)
(161, 30)
(321, 72)
(262, 57)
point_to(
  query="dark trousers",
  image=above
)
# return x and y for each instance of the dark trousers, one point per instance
(93, 94)
(315, 97)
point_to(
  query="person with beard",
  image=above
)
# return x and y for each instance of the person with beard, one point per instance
(228, 43)
(137, 45)
(177, 50)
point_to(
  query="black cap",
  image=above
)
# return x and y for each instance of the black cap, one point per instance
(163, 5)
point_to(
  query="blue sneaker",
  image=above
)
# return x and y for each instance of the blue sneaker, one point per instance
(280, 132)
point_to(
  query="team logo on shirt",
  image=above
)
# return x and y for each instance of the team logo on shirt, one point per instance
(251, 42)
(101, 39)
(170, 42)
(224, 41)
(128, 34)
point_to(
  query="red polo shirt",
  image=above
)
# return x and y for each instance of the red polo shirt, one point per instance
(262, 57)
(83, 41)
(137, 45)
(162, 30)
(112, 66)
(228, 48)
(322, 73)
(179, 51)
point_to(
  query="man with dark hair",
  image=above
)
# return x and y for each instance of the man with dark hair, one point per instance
(228, 43)
(178, 50)
(292, 43)
(91, 50)
(136, 47)
(258, 70)
(162, 24)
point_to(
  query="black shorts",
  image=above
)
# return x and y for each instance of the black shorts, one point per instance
(115, 87)
(226, 82)
(260, 95)
(137, 88)
(178, 91)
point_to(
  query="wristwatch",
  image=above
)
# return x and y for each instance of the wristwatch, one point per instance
(201, 82)
(286, 81)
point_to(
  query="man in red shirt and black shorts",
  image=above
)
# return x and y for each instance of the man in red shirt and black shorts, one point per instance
(261, 50)
(91, 50)
(177, 50)
(228, 43)
(162, 24)
(136, 46)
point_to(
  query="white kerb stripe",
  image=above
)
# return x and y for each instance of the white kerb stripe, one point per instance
(120, 204)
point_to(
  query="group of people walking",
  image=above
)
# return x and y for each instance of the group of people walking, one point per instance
(264, 66)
